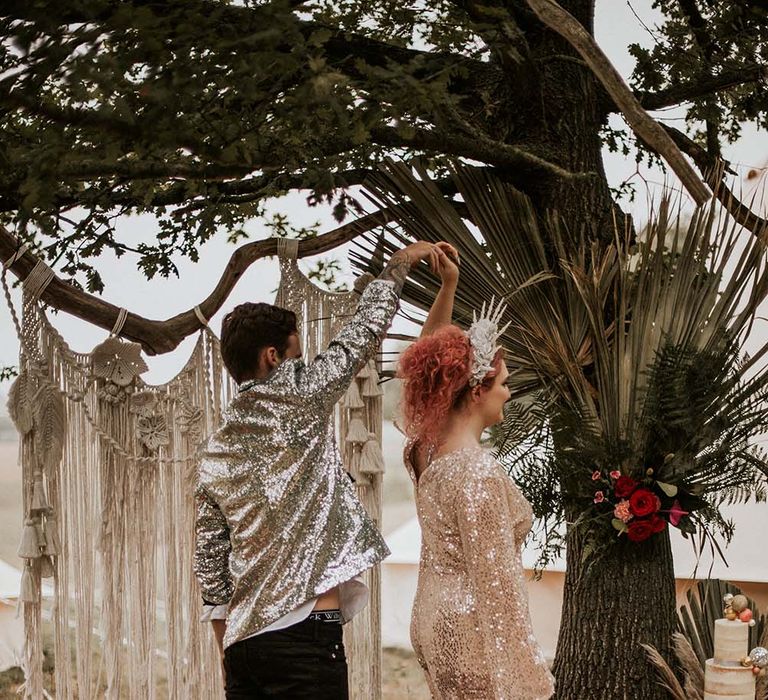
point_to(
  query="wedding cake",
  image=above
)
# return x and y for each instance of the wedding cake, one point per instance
(726, 676)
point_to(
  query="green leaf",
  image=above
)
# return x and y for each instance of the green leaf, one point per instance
(619, 525)
(669, 489)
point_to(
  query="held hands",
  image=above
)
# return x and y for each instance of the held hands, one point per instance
(442, 257)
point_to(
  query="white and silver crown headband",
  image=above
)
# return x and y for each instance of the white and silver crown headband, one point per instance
(484, 334)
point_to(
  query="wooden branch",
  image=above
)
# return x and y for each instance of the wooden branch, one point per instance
(707, 85)
(158, 337)
(485, 150)
(714, 171)
(562, 22)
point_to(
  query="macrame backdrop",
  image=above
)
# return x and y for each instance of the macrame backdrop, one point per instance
(108, 467)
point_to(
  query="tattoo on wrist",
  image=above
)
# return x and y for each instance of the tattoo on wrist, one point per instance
(397, 270)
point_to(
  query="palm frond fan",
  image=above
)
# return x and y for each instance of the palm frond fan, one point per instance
(633, 405)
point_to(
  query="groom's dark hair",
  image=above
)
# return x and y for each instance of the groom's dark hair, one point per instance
(249, 328)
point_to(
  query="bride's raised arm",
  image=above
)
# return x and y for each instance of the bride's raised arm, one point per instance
(441, 310)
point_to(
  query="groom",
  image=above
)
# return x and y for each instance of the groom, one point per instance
(281, 537)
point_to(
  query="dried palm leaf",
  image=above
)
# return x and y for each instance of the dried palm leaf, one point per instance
(666, 676)
(691, 668)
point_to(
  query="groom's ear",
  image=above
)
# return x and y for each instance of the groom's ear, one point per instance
(269, 358)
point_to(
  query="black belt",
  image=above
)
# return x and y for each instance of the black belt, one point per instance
(326, 616)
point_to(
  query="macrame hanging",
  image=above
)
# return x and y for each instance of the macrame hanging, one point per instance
(108, 466)
(320, 314)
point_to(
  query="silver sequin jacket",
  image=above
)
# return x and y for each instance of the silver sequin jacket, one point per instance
(278, 522)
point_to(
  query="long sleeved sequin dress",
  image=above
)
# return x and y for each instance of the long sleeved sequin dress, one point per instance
(471, 628)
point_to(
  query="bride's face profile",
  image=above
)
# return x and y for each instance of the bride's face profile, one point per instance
(490, 400)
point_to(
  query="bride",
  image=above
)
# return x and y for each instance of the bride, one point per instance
(470, 625)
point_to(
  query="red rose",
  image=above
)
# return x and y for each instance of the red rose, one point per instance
(643, 502)
(624, 486)
(639, 530)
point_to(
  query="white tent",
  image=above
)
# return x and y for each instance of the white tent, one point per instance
(11, 625)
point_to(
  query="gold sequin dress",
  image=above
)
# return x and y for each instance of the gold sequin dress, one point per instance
(471, 628)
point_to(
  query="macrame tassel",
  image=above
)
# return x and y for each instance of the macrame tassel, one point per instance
(372, 459)
(352, 397)
(51, 546)
(29, 548)
(357, 432)
(46, 567)
(371, 386)
(39, 499)
(365, 372)
(28, 592)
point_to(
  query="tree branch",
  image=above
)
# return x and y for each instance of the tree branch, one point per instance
(698, 26)
(488, 150)
(158, 337)
(707, 48)
(714, 170)
(706, 85)
(343, 48)
(562, 22)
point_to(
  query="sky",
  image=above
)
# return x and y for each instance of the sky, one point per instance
(616, 27)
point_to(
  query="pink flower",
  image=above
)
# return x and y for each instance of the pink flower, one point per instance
(599, 497)
(615, 474)
(676, 513)
(622, 512)
(595, 475)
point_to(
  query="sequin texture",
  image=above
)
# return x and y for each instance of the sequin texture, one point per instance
(471, 627)
(278, 522)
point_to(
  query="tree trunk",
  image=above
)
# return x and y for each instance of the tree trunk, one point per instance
(628, 596)
(609, 608)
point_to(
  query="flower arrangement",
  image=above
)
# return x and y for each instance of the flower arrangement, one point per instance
(639, 509)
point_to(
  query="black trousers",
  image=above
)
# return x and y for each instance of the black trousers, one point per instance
(304, 661)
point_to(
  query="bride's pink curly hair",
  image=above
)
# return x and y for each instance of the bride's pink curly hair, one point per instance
(435, 372)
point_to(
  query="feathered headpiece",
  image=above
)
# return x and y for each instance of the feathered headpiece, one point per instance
(484, 334)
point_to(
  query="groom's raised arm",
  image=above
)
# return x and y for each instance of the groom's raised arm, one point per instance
(329, 375)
